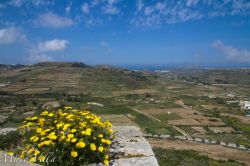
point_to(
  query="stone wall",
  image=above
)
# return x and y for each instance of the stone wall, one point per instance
(200, 140)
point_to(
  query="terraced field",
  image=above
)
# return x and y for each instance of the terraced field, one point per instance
(159, 103)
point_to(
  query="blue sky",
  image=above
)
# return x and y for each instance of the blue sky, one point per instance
(206, 33)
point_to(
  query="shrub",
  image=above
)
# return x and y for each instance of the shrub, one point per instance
(66, 137)
(9, 140)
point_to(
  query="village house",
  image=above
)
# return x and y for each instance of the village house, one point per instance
(245, 104)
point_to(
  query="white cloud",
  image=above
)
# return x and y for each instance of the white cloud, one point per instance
(161, 6)
(17, 3)
(53, 45)
(68, 7)
(11, 35)
(39, 53)
(85, 8)
(93, 21)
(2, 6)
(53, 20)
(36, 3)
(36, 56)
(139, 5)
(191, 2)
(155, 14)
(231, 52)
(110, 7)
(95, 3)
(106, 47)
(148, 10)
(103, 44)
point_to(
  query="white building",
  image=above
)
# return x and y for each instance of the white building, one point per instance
(245, 105)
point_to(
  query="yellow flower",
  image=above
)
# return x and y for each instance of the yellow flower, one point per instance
(66, 126)
(50, 114)
(100, 149)
(73, 140)
(100, 135)
(47, 130)
(88, 131)
(33, 159)
(73, 130)
(41, 158)
(52, 136)
(31, 150)
(47, 142)
(22, 156)
(34, 118)
(34, 138)
(40, 145)
(44, 113)
(30, 124)
(37, 152)
(92, 147)
(62, 138)
(80, 144)
(10, 153)
(108, 142)
(74, 110)
(41, 121)
(70, 135)
(42, 133)
(59, 125)
(39, 130)
(82, 124)
(106, 162)
(103, 140)
(74, 153)
(106, 156)
(110, 131)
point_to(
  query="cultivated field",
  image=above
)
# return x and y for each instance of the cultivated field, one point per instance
(198, 103)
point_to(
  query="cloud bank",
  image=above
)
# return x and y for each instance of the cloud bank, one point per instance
(11, 35)
(39, 52)
(231, 52)
(54, 21)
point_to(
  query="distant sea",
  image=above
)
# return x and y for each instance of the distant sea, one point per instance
(146, 67)
(169, 67)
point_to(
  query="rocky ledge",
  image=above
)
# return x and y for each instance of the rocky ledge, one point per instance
(131, 148)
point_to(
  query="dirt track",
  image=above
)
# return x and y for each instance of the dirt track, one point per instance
(213, 151)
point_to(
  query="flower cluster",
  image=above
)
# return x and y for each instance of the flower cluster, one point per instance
(73, 137)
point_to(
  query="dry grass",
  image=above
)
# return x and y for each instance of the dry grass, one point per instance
(184, 122)
(243, 119)
(136, 91)
(199, 129)
(33, 91)
(216, 152)
(210, 107)
(180, 102)
(190, 117)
